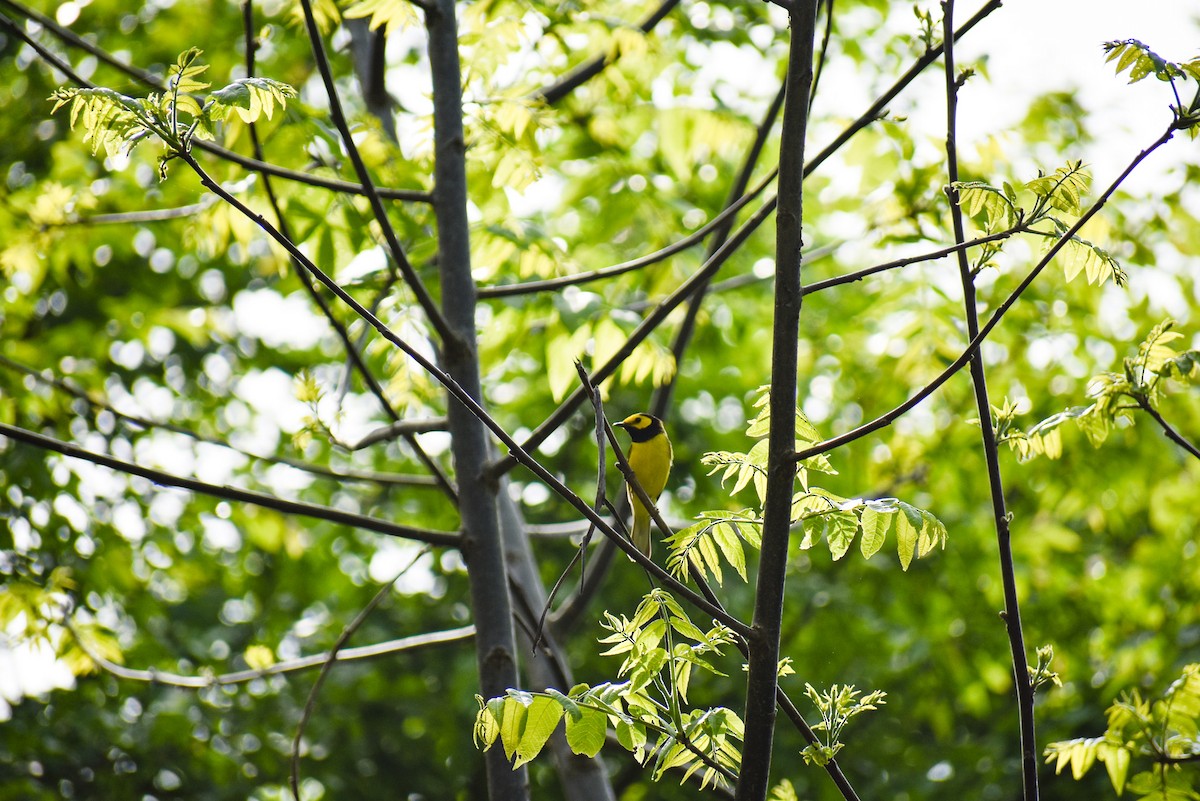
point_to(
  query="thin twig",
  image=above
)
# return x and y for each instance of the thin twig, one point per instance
(1171, 432)
(439, 538)
(858, 275)
(146, 423)
(152, 82)
(200, 682)
(721, 221)
(332, 657)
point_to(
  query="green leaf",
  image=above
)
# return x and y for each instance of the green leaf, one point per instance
(511, 718)
(906, 537)
(585, 735)
(541, 719)
(645, 667)
(1116, 763)
(392, 15)
(631, 735)
(839, 530)
(250, 98)
(486, 728)
(726, 537)
(875, 525)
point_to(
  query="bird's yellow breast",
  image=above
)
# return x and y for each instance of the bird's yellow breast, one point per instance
(651, 463)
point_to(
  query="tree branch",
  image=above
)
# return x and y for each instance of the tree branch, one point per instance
(969, 351)
(1171, 432)
(590, 69)
(1012, 608)
(347, 632)
(721, 221)
(440, 538)
(399, 259)
(709, 268)
(153, 676)
(152, 81)
(148, 424)
(517, 452)
(352, 353)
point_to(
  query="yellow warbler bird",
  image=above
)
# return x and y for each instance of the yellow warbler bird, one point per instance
(650, 457)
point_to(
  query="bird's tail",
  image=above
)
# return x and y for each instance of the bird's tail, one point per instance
(641, 529)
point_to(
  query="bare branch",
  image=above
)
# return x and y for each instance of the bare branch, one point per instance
(400, 260)
(1171, 432)
(722, 220)
(439, 538)
(416, 642)
(1012, 607)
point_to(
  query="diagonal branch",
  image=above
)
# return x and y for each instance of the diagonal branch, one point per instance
(352, 353)
(152, 81)
(1171, 432)
(432, 312)
(145, 423)
(590, 69)
(439, 538)
(722, 221)
(969, 351)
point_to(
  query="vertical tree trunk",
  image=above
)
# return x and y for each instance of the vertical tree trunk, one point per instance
(490, 600)
(754, 779)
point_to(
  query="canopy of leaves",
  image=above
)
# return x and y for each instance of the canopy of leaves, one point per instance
(142, 319)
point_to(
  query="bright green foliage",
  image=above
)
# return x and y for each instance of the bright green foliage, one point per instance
(1118, 396)
(837, 706)
(818, 513)
(115, 123)
(1064, 192)
(391, 15)
(646, 711)
(1141, 61)
(143, 319)
(1166, 731)
(1041, 673)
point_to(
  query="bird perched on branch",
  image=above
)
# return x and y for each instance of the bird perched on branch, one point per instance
(650, 458)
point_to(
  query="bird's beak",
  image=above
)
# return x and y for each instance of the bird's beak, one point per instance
(621, 425)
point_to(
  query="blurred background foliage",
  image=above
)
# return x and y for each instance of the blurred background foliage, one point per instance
(196, 321)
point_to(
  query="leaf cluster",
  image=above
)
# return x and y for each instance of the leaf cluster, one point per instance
(1117, 396)
(1057, 200)
(646, 710)
(1165, 731)
(817, 513)
(115, 123)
